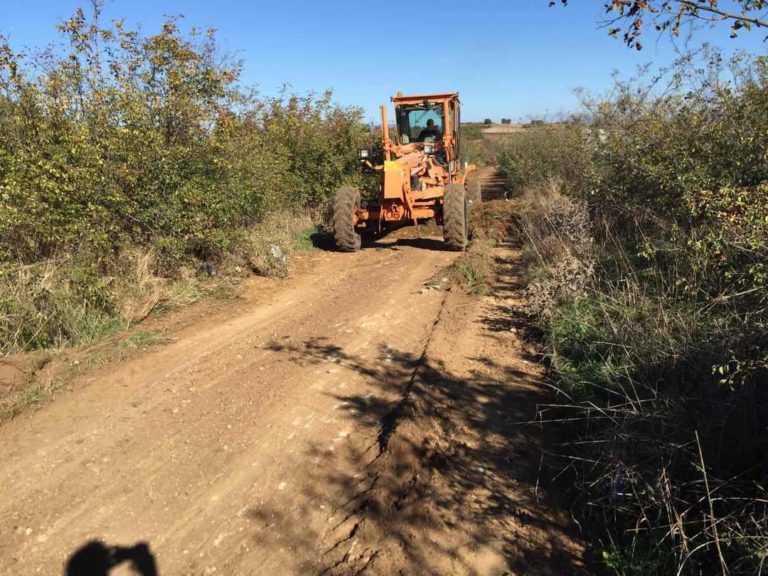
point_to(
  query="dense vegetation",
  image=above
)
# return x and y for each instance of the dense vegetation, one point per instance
(132, 164)
(115, 143)
(646, 223)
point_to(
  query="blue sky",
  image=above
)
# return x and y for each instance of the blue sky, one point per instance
(507, 58)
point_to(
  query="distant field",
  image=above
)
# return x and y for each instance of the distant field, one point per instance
(478, 130)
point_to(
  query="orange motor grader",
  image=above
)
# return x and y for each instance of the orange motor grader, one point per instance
(422, 177)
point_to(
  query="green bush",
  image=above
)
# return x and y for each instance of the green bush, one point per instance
(471, 132)
(115, 141)
(660, 351)
(154, 143)
(560, 152)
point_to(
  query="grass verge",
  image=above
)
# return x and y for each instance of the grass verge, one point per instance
(473, 269)
(662, 394)
(50, 307)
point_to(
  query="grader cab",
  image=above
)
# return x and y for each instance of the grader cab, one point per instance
(421, 178)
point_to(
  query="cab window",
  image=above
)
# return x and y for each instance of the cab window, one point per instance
(413, 123)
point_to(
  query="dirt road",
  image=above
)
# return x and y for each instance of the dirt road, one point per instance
(350, 419)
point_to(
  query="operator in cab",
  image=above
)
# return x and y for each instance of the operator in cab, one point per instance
(431, 133)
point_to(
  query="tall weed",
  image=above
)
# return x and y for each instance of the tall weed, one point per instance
(648, 279)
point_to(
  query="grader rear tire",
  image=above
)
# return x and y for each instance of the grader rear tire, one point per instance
(345, 204)
(455, 217)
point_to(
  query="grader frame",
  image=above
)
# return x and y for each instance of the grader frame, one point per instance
(421, 178)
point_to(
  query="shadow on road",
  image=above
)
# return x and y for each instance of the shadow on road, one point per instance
(453, 474)
(423, 243)
(97, 559)
(397, 237)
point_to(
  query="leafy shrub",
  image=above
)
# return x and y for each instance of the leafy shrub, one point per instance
(559, 152)
(118, 143)
(659, 347)
(471, 132)
(154, 143)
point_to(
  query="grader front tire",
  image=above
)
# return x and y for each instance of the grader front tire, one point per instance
(345, 205)
(455, 217)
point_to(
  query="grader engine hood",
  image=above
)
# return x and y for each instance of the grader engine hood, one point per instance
(398, 173)
(394, 179)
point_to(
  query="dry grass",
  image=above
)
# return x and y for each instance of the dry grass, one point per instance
(53, 303)
(668, 449)
(271, 245)
(65, 301)
(558, 247)
(137, 287)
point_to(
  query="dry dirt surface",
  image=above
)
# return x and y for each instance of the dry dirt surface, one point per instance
(350, 420)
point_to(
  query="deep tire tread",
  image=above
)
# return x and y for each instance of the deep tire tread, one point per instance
(455, 228)
(345, 203)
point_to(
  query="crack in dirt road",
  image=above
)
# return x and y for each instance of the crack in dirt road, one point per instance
(390, 419)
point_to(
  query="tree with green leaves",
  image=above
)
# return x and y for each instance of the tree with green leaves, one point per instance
(112, 137)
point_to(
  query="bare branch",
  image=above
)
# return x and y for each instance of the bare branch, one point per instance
(671, 15)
